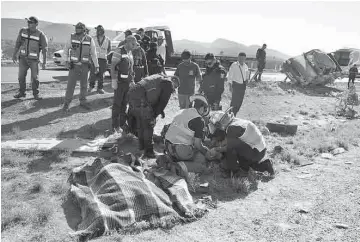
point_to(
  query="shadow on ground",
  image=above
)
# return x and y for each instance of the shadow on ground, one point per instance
(32, 123)
(318, 91)
(89, 131)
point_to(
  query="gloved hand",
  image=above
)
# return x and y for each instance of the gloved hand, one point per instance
(162, 115)
(114, 84)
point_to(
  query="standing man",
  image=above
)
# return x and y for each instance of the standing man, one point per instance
(82, 48)
(261, 61)
(30, 41)
(161, 48)
(238, 77)
(103, 47)
(147, 100)
(213, 81)
(155, 61)
(188, 72)
(145, 40)
(127, 33)
(140, 62)
(121, 76)
(352, 74)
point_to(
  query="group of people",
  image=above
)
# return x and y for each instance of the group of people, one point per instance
(142, 90)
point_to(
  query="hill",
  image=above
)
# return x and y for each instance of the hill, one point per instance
(59, 32)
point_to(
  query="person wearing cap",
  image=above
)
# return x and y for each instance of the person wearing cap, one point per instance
(261, 61)
(128, 32)
(30, 41)
(103, 48)
(121, 76)
(238, 77)
(145, 40)
(188, 72)
(161, 50)
(155, 61)
(244, 145)
(147, 100)
(213, 81)
(140, 62)
(78, 51)
(183, 138)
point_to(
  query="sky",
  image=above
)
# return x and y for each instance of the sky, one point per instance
(289, 27)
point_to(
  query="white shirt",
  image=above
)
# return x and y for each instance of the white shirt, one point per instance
(234, 74)
(161, 50)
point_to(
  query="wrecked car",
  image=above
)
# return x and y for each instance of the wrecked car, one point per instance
(314, 67)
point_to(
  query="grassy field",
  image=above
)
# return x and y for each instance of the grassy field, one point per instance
(303, 203)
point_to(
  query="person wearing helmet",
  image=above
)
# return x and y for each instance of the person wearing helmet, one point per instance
(103, 48)
(121, 76)
(155, 61)
(78, 51)
(183, 138)
(147, 100)
(213, 81)
(140, 62)
(30, 41)
(245, 146)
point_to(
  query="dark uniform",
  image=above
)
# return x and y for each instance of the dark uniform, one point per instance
(261, 61)
(140, 63)
(147, 99)
(145, 42)
(213, 84)
(352, 75)
(122, 69)
(155, 61)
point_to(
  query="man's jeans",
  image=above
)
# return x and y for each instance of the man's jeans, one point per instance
(237, 98)
(100, 76)
(24, 65)
(184, 101)
(79, 72)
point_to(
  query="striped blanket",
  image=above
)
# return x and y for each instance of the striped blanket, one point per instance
(113, 196)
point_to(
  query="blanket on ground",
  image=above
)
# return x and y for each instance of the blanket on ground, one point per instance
(112, 196)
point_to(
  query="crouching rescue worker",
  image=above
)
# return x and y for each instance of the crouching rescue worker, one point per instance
(140, 63)
(213, 81)
(82, 48)
(244, 147)
(183, 138)
(147, 100)
(121, 77)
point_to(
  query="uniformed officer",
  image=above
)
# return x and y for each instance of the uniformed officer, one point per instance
(77, 52)
(140, 63)
(145, 40)
(30, 42)
(148, 99)
(128, 32)
(213, 81)
(261, 62)
(121, 77)
(155, 61)
(103, 47)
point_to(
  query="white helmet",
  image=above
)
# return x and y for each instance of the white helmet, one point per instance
(220, 120)
(199, 101)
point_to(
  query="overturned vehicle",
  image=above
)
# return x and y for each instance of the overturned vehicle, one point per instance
(312, 68)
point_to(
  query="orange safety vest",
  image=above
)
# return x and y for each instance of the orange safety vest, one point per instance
(179, 131)
(80, 49)
(30, 46)
(101, 47)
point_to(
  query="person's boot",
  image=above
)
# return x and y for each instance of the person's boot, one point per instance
(100, 91)
(90, 89)
(149, 154)
(66, 108)
(37, 97)
(20, 95)
(268, 166)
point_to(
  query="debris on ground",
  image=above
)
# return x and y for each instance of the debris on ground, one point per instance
(342, 226)
(282, 128)
(338, 151)
(327, 156)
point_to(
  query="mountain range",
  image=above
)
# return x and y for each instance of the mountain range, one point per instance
(59, 33)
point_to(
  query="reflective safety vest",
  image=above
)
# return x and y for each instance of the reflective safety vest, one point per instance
(101, 47)
(151, 86)
(123, 62)
(179, 131)
(252, 135)
(80, 49)
(30, 46)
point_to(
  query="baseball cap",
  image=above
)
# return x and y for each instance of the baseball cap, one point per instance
(32, 19)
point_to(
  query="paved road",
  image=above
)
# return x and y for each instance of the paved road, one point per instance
(9, 75)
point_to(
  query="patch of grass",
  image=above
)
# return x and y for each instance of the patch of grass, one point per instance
(59, 188)
(42, 213)
(14, 213)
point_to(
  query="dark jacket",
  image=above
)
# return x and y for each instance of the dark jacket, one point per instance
(213, 82)
(261, 55)
(353, 71)
(155, 62)
(145, 41)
